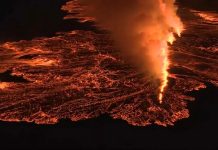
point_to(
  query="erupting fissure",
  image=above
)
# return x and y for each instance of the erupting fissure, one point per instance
(165, 67)
(142, 29)
(177, 27)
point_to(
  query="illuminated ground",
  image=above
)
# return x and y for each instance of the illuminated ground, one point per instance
(81, 75)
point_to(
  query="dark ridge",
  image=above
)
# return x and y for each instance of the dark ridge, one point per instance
(28, 56)
(179, 70)
(27, 19)
(198, 132)
(8, 77)
(203, 111)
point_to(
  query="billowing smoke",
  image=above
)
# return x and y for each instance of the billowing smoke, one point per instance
(142, 29)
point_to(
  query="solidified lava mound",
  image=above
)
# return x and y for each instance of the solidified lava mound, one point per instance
(81, 75)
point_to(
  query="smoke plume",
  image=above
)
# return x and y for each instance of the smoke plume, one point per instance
(142, 29)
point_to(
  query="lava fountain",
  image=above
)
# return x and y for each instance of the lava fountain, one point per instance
(169, 11)
(142, 29)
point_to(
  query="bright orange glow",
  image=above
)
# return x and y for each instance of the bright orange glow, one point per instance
(142, 32)
(173, 21)
(208, 16)
(3, 85)
(41, 62)
(166, 64)
(165, 74)
(171, 38)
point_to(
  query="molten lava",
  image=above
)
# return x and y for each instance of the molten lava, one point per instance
(169, 12)
(80, 74)
(3, 85)
(165, 67)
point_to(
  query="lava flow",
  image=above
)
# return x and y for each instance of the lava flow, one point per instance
(82, 74)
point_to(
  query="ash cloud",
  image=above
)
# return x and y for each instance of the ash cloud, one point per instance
(140, 28)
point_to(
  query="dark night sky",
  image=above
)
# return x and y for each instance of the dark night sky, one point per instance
(26, 19)
(211, 5)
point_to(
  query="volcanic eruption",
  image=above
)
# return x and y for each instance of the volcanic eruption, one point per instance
(142, 29)
(121, 58)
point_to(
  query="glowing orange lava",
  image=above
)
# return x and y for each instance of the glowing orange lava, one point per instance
(166, 64)
(173, 21)
(3, 85)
